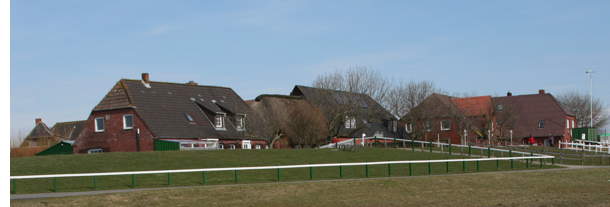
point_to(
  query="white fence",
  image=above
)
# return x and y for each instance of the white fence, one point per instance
(585, 147)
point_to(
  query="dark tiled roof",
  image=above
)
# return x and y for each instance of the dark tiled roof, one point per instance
(327, 99)
(40, 131)
(165, 106)
(530, 109)
(68, 130)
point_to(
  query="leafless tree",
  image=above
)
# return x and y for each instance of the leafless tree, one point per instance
(579, 104)
(405, 96)
(18, 138)
(356, 79)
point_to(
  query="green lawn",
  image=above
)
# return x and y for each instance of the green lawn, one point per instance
(582, 187)
(112, 162)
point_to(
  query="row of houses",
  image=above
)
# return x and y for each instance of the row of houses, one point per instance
(145, 115)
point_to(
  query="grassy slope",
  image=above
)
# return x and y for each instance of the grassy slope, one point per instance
(109, 162)
(586, 187)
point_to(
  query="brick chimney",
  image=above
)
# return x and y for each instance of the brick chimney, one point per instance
(37, 121)
(192, 83)
(145, 77)
(509, 94)
(541, 92)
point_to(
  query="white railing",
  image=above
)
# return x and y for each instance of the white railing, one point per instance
(584, 147)
(350, 142)
(277, 167)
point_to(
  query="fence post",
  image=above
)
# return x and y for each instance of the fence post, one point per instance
(410, 169)
(497, 164)
(449, 147)
(389, 170)
(430, 146)
(133, 181)
(311, 173)
(169, 179)
(94, 183)
(413, 145)
(204, 177)
(54, 185)
(512, 162)
(14, 188)
(278, 174)
(469, 150)
(340, 171)
(540, 160)
(236, 175)
(488, 152)
(366, 170)
(429, 168)
(447, 166)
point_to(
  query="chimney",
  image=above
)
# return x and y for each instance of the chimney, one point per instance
(541, 92)
(145, 77)
(38, 120)
(192, 83)
(509, 94)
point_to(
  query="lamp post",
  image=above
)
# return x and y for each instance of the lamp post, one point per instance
(590, 74)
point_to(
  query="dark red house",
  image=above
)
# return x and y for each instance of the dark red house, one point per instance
(135, 113)
(490, 120)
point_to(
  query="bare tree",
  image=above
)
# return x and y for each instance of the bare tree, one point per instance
(18, 138)
(579, 104)
(405, 96)
(356, 79)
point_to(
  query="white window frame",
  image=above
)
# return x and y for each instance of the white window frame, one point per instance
(443, 128)
(567, 123)
(96, 125)
(258, 146)
(573, 124)
(350, 122)
(219, 123)
(241, 122)
(408, 127)
(232, 146)
(221, 146)
(125, 121)
(95, 150)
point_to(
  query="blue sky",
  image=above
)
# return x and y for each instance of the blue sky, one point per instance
(65, 55)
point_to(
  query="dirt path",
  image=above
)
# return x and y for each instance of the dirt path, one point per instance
(67, 194)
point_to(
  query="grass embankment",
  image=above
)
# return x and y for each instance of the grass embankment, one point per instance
(113, 162)
(583, 187)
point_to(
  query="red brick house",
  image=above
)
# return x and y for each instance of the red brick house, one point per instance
(490, 120)
(134, 113)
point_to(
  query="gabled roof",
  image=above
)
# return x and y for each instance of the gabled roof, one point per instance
(40, 131)
(532, 108)
(474, 106)
(68, 130)
(164, 107)
(326, 99)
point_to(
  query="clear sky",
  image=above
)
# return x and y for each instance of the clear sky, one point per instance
(65, 55)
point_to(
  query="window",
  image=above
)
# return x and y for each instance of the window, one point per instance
(219, 121)
(499, 107)
(221, 146)
(99, 124)
(445, 125)
(408, 127)
(95, 150)
(567, 123)
(232, 146)
(428, 126)
(189, 117)
(241, 122)
(573, 125)
(394, 125)
(128, 121)
(541, 124)
(350, 122)
(258, 146)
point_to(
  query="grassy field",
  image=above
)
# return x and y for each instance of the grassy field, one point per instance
(583, 187)
(569, 157)
(112, 162)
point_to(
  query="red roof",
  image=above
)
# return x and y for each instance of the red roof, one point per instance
(474, 106)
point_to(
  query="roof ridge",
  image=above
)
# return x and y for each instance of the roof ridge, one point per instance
(175, 83)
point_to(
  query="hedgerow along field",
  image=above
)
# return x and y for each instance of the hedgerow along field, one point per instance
(144, 161)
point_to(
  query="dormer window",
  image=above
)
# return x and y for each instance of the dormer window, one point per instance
(540, 124)
(219, 121)
(408, 127)
(350, 122)
(189, 117)
(499, 107)
(240, 122)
